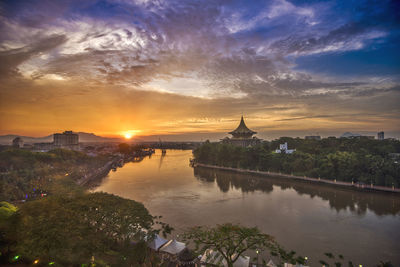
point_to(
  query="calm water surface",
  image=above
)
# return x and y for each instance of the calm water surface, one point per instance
(310, 219)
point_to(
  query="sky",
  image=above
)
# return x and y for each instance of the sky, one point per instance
(187, 70)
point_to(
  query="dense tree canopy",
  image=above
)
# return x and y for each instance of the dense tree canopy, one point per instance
(72, 230)
(232, 241)
(25, 174)
(358, 160)
(6, 211)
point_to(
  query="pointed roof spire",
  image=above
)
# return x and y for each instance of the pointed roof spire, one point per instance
(242, 129)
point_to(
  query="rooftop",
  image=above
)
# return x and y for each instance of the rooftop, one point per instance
(242, 129)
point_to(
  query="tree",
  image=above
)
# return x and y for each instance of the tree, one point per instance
(231, 241)
(6, 211)
(124, 148)
(25, 174)
(358, 160)
(7, 240)
(70, 230)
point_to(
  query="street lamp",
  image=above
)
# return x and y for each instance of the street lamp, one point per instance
(257, 255)
(305, 259)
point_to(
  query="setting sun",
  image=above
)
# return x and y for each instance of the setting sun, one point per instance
(128, 135)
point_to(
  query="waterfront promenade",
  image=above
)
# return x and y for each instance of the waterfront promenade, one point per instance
(100, 172)
(364, 187)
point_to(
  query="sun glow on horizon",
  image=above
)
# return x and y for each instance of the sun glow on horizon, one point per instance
(129, 134)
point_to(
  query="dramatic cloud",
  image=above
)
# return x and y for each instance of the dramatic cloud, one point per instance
(184, 67)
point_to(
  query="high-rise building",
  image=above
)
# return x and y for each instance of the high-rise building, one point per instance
(66, 139)
(381, 135)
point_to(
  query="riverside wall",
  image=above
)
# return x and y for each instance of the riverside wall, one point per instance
(100, 172)
(364, 187)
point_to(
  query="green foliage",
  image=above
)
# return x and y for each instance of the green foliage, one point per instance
(70, 230)
(6, 211)
(231, 241)
(28, 174)
(358, 160)
(124, 148)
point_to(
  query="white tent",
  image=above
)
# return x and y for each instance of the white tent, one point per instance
(173, 247)
(271, 264)
(242, 261)
(214, 257)
(157, 242)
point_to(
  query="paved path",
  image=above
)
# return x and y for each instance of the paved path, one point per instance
(304, 178)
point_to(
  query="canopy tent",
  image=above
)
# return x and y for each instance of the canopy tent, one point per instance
(187, 258)
(214, 257)
(173, 247)
(157, 242)
(186, 255)
(271, 264)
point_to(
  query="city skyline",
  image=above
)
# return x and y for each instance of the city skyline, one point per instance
(189, 70)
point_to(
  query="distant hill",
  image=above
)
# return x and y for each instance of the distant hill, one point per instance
(91, 137)
(83, 137)
(7, 139)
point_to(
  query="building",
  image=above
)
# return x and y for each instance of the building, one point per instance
(18, 142)
(350, 135)
(42, 147)
(67, 139)
(313, 137)
(356, 136)
(242, 136)
(381, 136)
(283, 148)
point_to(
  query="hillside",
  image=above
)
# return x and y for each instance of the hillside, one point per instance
(83, 137)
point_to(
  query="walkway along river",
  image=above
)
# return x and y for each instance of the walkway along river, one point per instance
(304, 178)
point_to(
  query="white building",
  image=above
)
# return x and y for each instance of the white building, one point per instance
(283, 148)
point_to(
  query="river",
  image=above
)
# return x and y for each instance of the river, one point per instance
(309, 218)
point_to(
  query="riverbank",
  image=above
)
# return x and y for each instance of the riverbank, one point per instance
(98, 173)
(363, 187)
(113, 164)
(288, 210)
